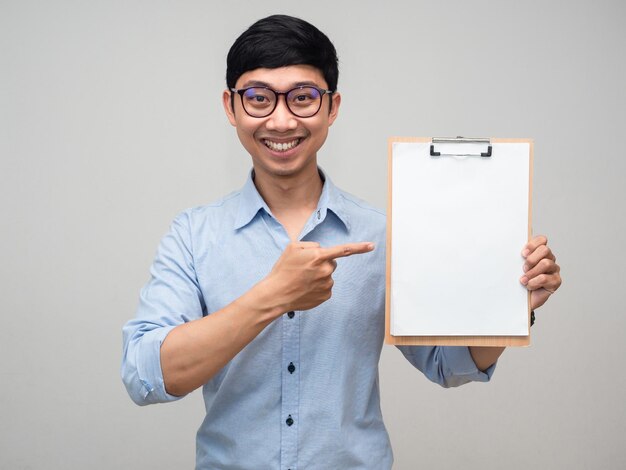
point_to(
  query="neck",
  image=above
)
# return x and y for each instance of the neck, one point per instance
(289, 193)
(292, 199)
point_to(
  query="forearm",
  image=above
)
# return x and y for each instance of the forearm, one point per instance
(192, 353)
(485, 356)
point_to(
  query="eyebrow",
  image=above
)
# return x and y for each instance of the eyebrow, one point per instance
(250, 83)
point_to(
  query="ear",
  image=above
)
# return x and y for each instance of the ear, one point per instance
(227, 101)
(336, 100)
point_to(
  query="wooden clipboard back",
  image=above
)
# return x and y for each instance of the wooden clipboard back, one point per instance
(447, 340)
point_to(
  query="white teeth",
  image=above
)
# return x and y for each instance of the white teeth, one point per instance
(281, 147)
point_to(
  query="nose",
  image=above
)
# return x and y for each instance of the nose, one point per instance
(281, 119)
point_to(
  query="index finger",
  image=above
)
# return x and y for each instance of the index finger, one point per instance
(349, 249)
(533, 244)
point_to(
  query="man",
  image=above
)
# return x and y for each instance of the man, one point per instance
(272, 298)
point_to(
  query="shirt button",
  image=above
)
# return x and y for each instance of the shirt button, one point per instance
(291, 368)
(289, 421)
(290, 314)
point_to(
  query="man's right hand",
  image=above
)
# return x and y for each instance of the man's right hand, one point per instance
(302, 276)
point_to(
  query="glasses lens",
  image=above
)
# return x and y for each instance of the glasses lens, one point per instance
(258, 102)
(304, 101)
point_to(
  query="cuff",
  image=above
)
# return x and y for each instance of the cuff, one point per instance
(149, 370)
(462, 367)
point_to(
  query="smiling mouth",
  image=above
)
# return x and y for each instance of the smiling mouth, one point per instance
(282, 146)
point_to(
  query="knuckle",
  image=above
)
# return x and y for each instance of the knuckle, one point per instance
(545, 263)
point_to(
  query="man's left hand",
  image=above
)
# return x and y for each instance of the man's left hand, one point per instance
(541, 273)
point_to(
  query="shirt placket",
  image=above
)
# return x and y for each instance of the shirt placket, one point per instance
(290, 360)
(290, 390)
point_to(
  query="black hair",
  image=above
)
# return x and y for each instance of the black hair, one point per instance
(279, 41)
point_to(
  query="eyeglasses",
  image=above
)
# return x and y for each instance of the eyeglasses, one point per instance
(261, 101)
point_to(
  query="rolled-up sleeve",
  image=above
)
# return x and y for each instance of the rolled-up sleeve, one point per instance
(171, 297)
(448, 366)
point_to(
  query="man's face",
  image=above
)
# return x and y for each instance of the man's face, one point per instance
(300, 138)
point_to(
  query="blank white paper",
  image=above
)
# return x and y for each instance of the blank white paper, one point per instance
(458, 227)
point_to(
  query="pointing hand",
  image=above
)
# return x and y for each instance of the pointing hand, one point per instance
(302, 275)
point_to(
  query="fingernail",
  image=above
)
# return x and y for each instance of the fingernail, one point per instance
(370, 246)
(524, 280)
(525, 252)
(525, 268)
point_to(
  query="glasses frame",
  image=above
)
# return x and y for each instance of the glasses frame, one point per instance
(322, 92)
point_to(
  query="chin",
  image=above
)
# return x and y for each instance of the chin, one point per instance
(284, 169)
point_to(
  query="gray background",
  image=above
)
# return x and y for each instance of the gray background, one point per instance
(111, 123)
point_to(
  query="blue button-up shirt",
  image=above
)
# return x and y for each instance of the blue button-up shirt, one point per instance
(304, 393)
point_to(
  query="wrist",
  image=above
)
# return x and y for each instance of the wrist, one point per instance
(265, 301)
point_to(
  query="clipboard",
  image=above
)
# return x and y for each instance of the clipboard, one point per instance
(458, 216)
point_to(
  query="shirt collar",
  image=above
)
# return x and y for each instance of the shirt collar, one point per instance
(252, 202)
